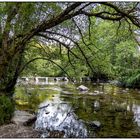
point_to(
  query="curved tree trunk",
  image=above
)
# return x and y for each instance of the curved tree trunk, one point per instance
(10, 63)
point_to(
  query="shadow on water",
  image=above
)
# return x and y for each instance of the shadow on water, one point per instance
(104, 111)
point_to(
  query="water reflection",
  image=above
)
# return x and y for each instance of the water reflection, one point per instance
(59, 116)
(117, 113)
(136, 110)
(103, 111)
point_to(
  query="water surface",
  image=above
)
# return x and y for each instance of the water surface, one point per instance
(104, 111)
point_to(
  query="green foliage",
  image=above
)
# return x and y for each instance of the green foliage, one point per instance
(117, 52)
(130, 78)
(127, 64)
(6, 109)
(41, 67)
(110, 50)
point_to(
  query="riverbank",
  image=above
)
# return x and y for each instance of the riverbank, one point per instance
(20, 126)
(75, 112)
(18, 131)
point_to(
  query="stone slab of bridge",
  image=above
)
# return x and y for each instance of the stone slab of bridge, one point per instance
(37, 80)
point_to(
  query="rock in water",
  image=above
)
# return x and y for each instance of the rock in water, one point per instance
(96, 124)
(83, 88)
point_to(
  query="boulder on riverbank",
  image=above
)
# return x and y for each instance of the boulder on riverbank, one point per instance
(19, 128)
(23, 118)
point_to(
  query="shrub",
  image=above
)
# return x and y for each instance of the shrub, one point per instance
(131, 79)
(6, 109)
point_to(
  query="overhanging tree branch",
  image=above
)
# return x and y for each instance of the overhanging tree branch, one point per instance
(72, 11)
(65, 15)
(78, 46)
(43, 58)
(132, 18)
(58, 41)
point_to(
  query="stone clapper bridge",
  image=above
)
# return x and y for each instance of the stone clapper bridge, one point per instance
(41, 80)
(49, 80)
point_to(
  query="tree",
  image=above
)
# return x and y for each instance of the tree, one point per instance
(105, 50)
(49, 22)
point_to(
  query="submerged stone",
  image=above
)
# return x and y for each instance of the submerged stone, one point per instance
(120, 109)
(96, 105)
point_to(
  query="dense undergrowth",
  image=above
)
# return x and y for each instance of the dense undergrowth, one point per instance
(6, 109)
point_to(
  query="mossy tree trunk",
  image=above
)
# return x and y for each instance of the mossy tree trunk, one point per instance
(10, 62)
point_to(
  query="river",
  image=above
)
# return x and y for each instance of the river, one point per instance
(104, 111)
